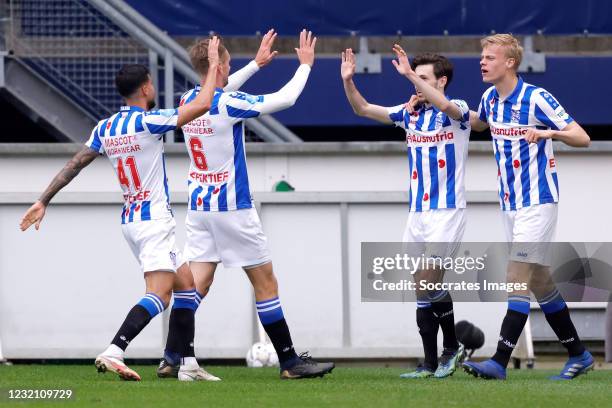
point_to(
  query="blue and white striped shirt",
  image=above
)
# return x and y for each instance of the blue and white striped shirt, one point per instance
(437, 151)
(527, 173)
(218, 178)
(132, 140)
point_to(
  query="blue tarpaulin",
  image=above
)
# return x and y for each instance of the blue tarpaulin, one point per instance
(323, 103)
(381, 17)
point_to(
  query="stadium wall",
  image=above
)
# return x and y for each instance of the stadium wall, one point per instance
(65, 288)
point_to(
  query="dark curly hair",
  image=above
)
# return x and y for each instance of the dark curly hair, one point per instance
(441, 65)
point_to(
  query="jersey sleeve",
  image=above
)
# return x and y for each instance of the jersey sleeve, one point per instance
(187, 97)
(94, 142)
(161, 120)
(285, 97)
(238, 78)
(482, 111)
(397, 114)
(549, 112)
(237, 106)
(464, 108)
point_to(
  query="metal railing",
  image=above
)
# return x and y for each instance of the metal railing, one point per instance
(74, 47)
(78, 46)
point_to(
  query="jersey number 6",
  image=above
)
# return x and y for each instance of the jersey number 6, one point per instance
(199, 158)
(130, 162)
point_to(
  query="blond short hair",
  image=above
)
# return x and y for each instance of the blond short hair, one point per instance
(509, 42)
(198, 54)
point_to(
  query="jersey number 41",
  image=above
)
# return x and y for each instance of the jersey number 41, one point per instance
(130, 162)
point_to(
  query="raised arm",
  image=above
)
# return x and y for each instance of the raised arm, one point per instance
(202, 103)
(359, 104)
(238, 78)
(36, 212)
(288, 94)
(434, 96)
(264, 56)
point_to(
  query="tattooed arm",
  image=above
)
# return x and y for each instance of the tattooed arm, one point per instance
(36, 212)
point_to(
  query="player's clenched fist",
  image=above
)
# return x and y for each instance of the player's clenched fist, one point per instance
(534, 135)
(306, 53)
(34, 215)
(412, 104)
(347, 69)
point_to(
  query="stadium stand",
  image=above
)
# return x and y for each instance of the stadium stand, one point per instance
(61, 57)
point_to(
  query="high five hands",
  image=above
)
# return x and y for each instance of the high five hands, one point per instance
(347, 69)
(401, 64)
(306, 51)
(265, 55)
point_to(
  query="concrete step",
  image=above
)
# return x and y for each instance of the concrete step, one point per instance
(43, 103)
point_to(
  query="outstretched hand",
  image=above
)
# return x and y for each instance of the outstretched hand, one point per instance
(213, 50)
(347, 69)
(265, 55)
(306, 53)
(401, 64)
(34, 215)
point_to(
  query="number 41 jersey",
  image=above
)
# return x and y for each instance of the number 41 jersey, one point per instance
(218, 178)
(132, 140)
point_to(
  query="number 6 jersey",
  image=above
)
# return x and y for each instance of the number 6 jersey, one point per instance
(132, 140)
(218, 178)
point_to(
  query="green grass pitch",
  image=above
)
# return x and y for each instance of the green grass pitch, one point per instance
(345, 387)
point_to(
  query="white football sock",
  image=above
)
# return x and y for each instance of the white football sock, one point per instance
(113, 351)
(189, 362)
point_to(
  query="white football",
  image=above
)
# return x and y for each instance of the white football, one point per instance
(257, 356)
(272, 356)
(261, 355)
